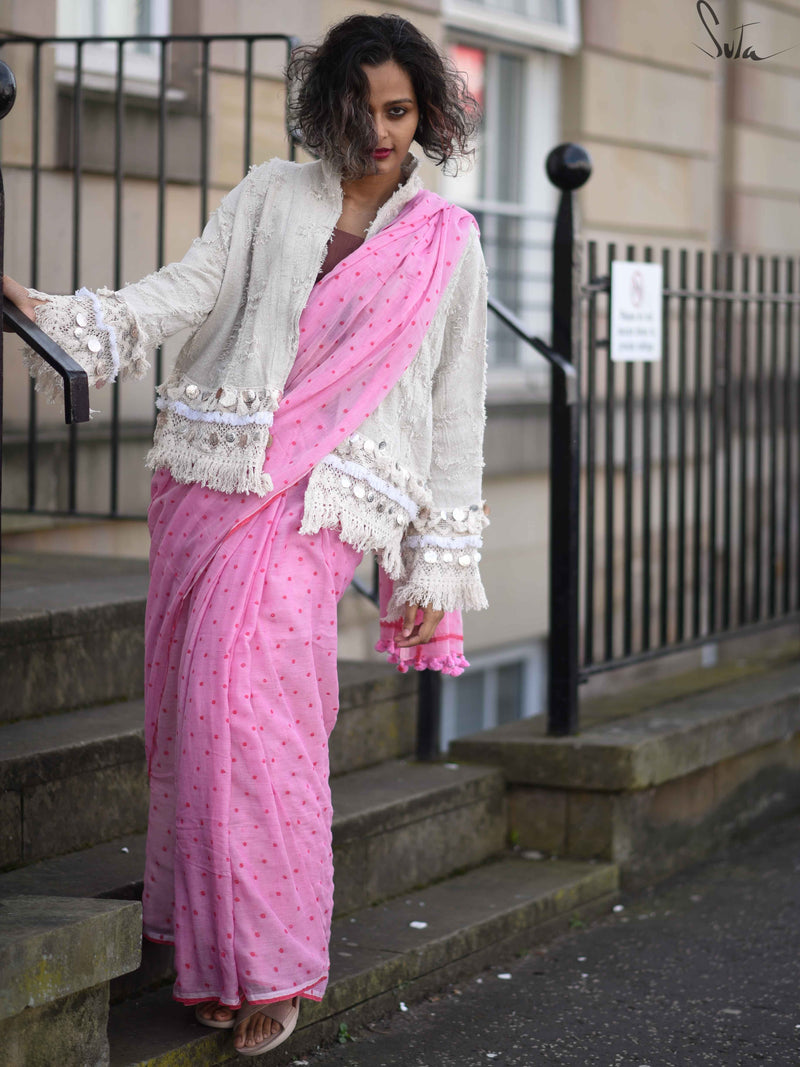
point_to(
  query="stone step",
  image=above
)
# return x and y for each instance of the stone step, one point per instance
(77, 778)
(71, 632)
(395, 826)
(70, 780)
(57, 957)
(660, 787)
(72, 637)
(378, 959)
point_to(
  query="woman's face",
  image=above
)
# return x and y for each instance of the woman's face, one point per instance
(394, 111)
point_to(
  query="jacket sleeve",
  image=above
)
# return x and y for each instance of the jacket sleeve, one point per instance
(110, 333)
(441, 549)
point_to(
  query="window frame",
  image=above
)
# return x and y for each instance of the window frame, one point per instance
(532, 655)
(529, 376)
(142, 71)
(460, 15)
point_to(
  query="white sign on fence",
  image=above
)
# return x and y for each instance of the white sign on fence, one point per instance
(636, 294)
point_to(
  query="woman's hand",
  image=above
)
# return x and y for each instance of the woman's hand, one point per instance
(418, 635)
(18, 295)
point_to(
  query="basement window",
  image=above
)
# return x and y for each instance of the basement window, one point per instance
(498, 687)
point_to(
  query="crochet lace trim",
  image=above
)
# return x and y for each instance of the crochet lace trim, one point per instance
(469, 540)
(441, 562)
(362, 474)
(237, 407)
(451, 582)
(350, 500)
(92, 328)
(374, 457)
(224, 457)
(228, 418)
(368, 497)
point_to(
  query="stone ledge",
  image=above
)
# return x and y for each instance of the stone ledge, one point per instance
(380, 799)
(403, 824)
(648, 748)
(51, 947)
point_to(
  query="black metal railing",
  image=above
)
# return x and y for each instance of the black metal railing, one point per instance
(112, 123)
(76, 383)
(691, 518)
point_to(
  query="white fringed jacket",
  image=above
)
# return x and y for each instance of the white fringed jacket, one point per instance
(419, 454)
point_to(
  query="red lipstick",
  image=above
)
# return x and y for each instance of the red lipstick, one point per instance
(381, 153)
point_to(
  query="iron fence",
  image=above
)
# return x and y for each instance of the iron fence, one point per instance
(116, 126)
(691, 508)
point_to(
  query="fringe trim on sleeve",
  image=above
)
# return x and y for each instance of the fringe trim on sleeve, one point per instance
(229, 459)
(354, 506)
(97, 329)
(441, 586)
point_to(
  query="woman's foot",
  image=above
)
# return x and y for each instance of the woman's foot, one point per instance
(212, 1013)
(256, 1029)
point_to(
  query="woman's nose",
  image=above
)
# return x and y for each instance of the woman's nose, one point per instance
(380, 128)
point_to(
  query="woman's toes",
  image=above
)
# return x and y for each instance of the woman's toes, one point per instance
(257, 1028)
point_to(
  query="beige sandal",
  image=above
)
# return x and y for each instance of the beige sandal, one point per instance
(284, 1012)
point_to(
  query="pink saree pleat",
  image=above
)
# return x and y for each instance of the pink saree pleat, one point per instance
(239, 865)
(241, 686)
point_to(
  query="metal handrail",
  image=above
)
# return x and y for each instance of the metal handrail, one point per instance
(557, 361)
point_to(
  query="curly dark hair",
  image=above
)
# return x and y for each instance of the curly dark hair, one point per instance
(329, 92)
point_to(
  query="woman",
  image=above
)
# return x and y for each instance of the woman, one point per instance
(328, 402)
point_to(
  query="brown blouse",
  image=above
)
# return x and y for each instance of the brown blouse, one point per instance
(340, 245)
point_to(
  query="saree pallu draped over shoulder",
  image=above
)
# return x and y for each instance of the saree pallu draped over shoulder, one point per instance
(241, 688)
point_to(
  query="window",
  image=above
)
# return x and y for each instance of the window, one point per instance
(509, 194)
(497, 688)
(552, 24)
(113, 18)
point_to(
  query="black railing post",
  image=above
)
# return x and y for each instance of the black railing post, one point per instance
(429, 715)
(568, 167)
(8, 93)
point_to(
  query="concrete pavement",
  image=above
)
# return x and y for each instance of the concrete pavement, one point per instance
(700, 971)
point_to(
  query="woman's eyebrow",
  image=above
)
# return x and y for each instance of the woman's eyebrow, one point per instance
(403, 100)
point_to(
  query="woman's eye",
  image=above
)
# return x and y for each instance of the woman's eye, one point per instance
(397, 112)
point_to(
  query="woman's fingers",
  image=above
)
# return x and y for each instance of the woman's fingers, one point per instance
(409, 618)
(418, 634)
(18, 295)
(430, 621)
